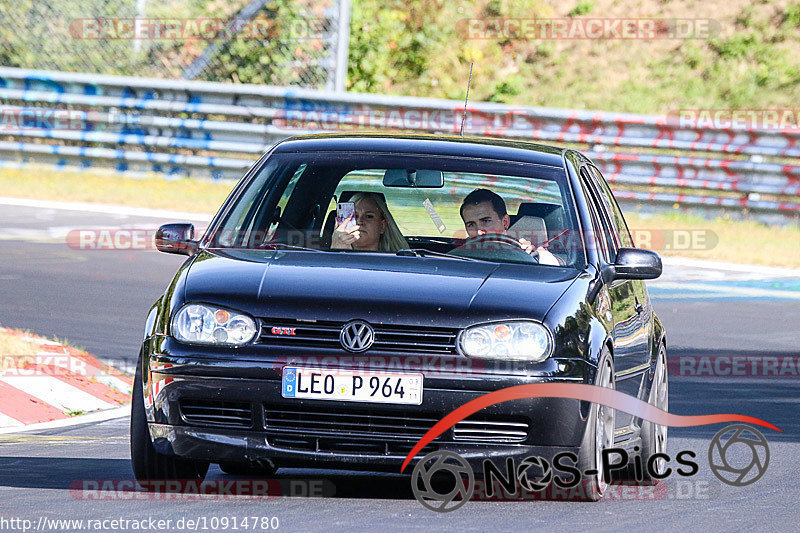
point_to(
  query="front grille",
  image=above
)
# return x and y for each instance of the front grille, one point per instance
(217, 414)
(490, 431)
(390, 338)
(402, 425)
(310, 426)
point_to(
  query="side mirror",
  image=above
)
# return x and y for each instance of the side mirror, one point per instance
(635, 263)
(176, 239)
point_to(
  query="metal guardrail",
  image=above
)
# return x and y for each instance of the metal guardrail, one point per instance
(217, 130)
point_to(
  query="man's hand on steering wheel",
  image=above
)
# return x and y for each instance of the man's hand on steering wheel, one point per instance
(497, 242)
(527, 245)
(544, 256)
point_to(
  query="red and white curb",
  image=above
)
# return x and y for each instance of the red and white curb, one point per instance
(56, 383)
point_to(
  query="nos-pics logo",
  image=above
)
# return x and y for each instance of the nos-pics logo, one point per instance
(443, 481)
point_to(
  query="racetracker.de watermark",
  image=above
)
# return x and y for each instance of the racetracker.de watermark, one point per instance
(735, 366)
(111, 239)
(42, 118)
(52, 364)
(200, 28)
(779, 120)
(362, 117)
(671, 489)
(587, 28)
(435, 364)
(142, 238)
(114, 490)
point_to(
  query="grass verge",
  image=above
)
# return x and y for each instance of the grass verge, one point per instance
(14, 351)
(154, 192)
(720, 239)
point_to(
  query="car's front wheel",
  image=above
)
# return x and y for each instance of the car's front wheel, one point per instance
(654, 436)
(599, 436)
(150, 466)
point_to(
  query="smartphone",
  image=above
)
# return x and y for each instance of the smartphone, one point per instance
(344, 210)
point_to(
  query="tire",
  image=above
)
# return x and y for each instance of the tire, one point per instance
(599, 435)
(149, 465)
(247, 469)
(654, 436)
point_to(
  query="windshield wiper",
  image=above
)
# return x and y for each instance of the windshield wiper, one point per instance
(422, 252)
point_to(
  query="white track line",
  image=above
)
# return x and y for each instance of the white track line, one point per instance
(8, 422)
(726, 289)
(105, 208)
(762, 271)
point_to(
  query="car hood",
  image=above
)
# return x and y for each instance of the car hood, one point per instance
(377, 288)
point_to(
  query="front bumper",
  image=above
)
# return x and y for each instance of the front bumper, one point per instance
(353, 435)
(217, 445)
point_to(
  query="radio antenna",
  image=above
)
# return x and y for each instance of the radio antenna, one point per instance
(464, 116)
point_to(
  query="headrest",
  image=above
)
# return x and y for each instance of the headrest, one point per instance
(534, 209)
(530, 228)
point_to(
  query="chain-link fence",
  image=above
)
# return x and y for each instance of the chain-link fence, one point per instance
(275, 42)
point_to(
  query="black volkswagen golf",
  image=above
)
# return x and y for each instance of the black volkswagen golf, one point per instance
(355, 288)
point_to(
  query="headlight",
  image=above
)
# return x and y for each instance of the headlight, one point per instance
(519, 340)
(206, 324)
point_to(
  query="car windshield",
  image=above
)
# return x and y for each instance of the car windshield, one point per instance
(405, 205)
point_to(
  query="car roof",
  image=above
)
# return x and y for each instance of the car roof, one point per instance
(413, 144)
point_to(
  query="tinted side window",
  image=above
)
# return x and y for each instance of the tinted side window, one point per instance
(595, 240)
(607, 231)
(613, 207)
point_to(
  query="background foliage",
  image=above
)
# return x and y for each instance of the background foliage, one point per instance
(418, 47)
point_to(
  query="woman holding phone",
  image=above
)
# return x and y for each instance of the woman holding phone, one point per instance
(374, 228)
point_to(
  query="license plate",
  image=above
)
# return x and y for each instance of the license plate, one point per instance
(351, 385)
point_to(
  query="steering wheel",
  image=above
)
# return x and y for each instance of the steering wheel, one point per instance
(495, 246)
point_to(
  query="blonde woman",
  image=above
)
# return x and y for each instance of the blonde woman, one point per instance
(375, 228)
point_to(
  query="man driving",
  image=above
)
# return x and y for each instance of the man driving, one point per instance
(484, 212)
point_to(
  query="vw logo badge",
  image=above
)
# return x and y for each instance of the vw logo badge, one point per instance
(356, 336)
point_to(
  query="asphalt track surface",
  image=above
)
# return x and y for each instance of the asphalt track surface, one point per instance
(98, 300)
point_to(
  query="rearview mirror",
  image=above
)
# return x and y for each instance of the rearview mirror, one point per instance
(176, 239)
(635, 263)
(409, 177)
